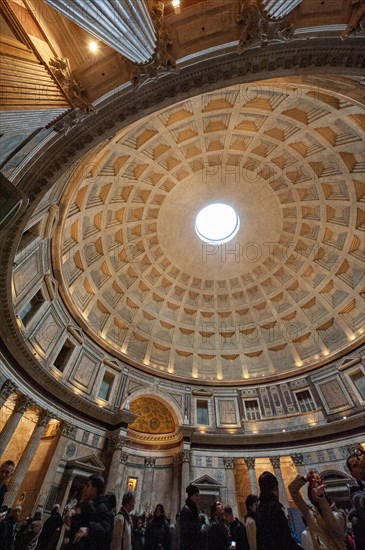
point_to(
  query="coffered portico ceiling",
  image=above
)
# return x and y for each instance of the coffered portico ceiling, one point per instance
(283, 295)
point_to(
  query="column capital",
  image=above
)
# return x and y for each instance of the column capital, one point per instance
(149, 462)
(123, 457)
(67, 429)
(228, 463)
(275, 461)
(117, 442)
(298, 459)
(185, 455)
(7, 389)
(23, 402)
(250, 463)
(44, 417)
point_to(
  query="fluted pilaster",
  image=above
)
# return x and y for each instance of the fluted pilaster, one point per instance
(298, 461)
(116, 443)
(125, 25)
(185, 458)
(231, 485)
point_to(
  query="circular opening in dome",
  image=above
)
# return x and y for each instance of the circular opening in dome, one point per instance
(217, 223)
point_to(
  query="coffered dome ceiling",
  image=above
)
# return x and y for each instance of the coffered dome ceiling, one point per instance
(285, 293)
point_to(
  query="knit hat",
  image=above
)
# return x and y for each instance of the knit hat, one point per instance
(192, 490)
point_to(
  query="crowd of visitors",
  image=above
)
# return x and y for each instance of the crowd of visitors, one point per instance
(95, 524)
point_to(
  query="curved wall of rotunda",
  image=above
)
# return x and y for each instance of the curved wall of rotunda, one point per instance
(133, 349)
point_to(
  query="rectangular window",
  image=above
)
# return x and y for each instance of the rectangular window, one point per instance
(305, 401)
(252, 409)
(64, 355)
(358, 379)
(202, 413)
(30, 309)
(106, 386)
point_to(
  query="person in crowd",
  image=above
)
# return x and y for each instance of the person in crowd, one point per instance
(12, 521)
(237, 529)
(138, 538)
(6, 470)
(356, 516)
(51, 529)
(327, 526)
(190, 521)
(273, 532)
(158, 532)
(123, 527)
(99, 531)
(175, 530)
(31, 532)
(356, 466)
(306, 539)
(219, 537)
(204, 526)
(250, 520)
(80, 516)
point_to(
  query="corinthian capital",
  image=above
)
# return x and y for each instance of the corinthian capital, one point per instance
(228, 463)
(298, 459)
(67, 429)
(116, 442)
(250, 463)
(22, 404)
(185, 455)
(275, 461)
(7, 389)
(149, 462)
(44, 418)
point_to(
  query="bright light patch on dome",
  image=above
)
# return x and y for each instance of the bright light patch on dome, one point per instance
(217, 223)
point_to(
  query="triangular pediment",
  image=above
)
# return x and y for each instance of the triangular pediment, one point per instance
(206, 481)
(87, 464)
(202, 392)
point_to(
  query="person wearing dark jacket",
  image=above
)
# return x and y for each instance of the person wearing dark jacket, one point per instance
(158, 532)
(273, 532)
(48, 538)
(190, 521)
(99, 531)
(219, 537)
(237, 529)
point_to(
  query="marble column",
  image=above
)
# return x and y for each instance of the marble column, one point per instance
(185, 458)
(175, 492)
(66, 432)
(275, 462)
(7, 389)
(116, 443)
(21, 405)
(126, 25)
(231, 485)
(149, 473)
(27, 457)
(250, 463)
(298, 461)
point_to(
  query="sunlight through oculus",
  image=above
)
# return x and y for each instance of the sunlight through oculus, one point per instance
(217, 223)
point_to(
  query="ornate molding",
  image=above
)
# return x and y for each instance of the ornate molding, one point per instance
(73, 89)
(123, 457)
